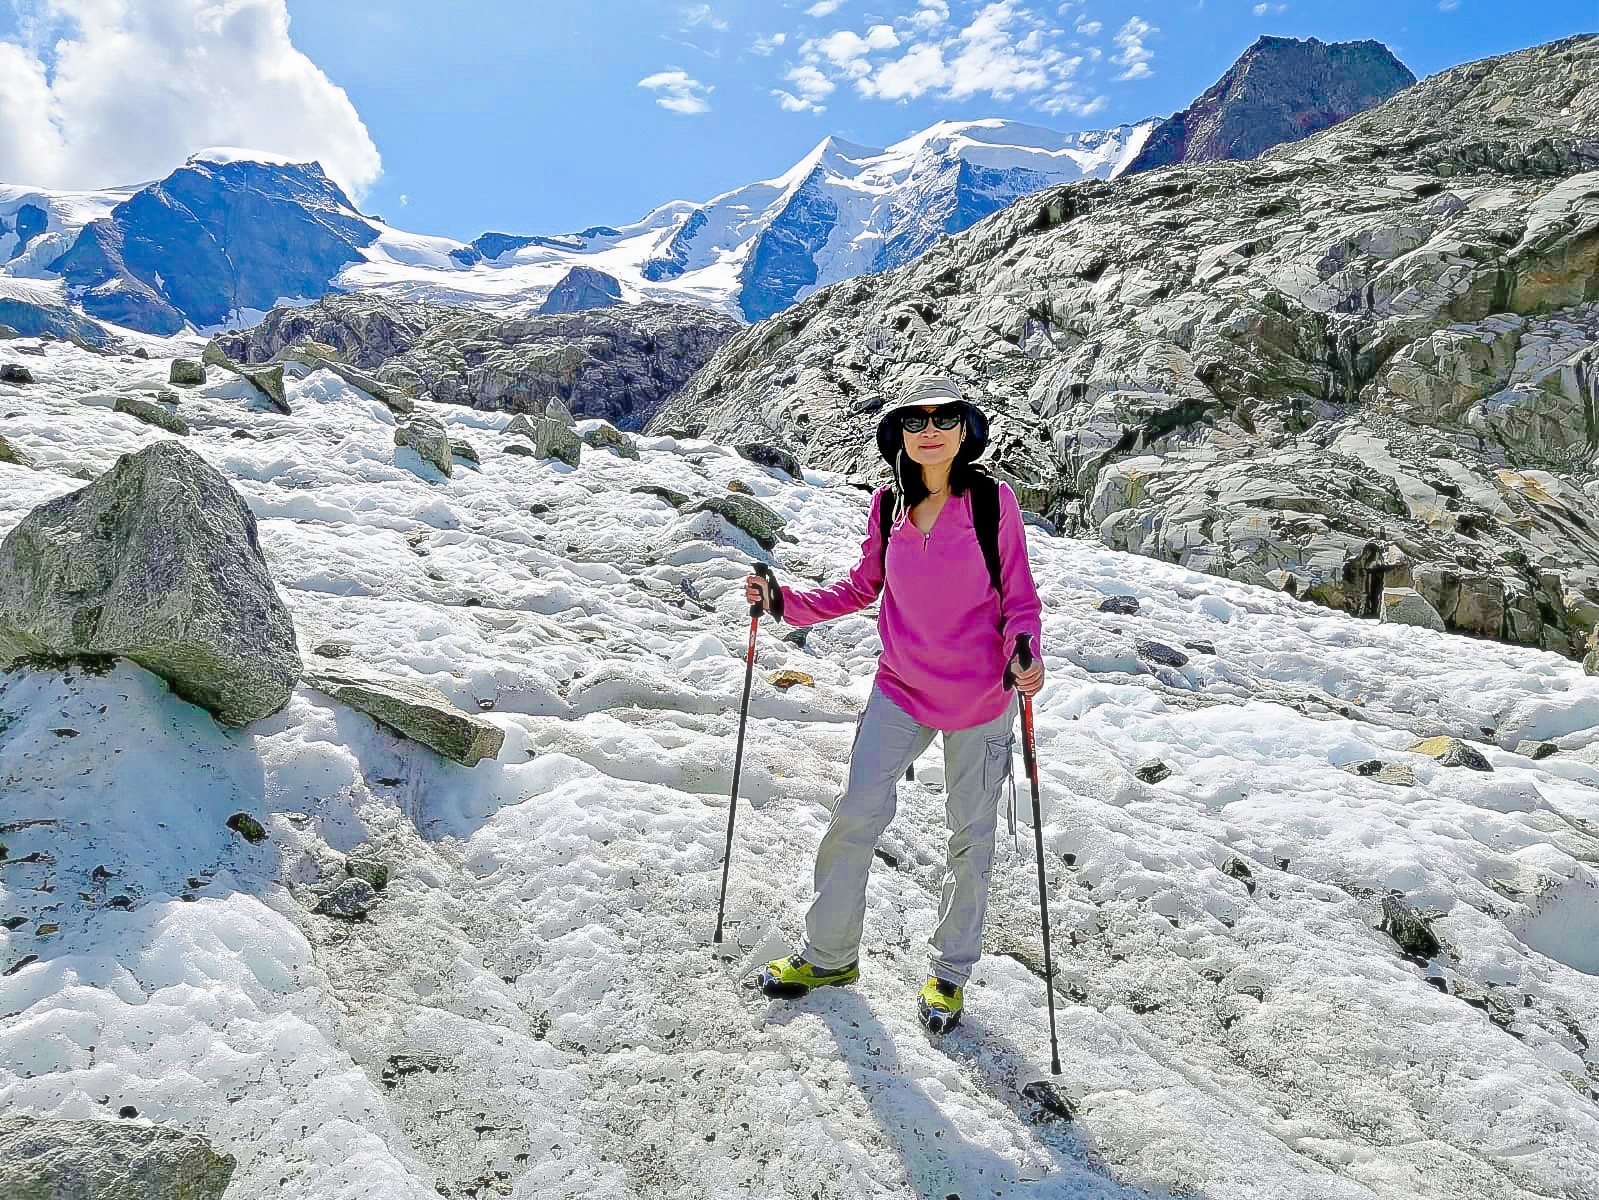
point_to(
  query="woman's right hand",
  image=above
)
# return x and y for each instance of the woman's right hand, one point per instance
(756, 592)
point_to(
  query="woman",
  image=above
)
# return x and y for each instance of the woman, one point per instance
(947, 640)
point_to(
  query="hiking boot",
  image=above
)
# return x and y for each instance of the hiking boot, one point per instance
(939, 1005)
(793, 976)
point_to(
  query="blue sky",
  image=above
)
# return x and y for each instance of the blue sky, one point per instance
(549, 116)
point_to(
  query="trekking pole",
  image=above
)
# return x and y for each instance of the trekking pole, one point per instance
(738, 755)
(1030, 762)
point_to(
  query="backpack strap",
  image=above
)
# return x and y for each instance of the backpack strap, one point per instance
(985, 518)
(882, 540)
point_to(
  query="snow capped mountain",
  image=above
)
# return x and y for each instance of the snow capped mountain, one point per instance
(233, 233)
(842, 210)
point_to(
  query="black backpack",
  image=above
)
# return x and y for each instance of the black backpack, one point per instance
(984, 489)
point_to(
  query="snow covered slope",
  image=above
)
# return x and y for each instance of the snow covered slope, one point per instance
(233, 233)
(534, 1009)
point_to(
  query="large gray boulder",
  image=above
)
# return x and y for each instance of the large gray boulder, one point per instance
(157, 561)
(414, 710)
(426, 435)
(1407, 606)
(107, 1160)
(186, 372)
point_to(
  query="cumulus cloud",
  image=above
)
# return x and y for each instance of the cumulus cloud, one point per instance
(1003, 51)
(1091, 28)
(678, 92)
(1134, 57)
(118, 91)
(765, 45)
(824, 8)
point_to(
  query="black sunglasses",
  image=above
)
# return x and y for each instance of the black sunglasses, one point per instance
(914, 420)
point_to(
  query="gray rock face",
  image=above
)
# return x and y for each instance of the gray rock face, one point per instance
(413, 710)
(1279, 90)
(1362, 361)
(107, 1160)
(619, 363)
(15, 373)
(427, 437)
(156, 561)
(581, 288)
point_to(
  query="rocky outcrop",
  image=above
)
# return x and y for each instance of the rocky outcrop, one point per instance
(108, 1160)
(1279, 90)
(619, 363)
(414, 710)
(322, 358)
(581, 288)
(1360, 362)
(156, 561)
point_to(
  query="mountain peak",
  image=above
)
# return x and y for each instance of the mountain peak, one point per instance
(1279, 90)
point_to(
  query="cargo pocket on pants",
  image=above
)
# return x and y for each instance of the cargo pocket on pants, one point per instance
(996, 762)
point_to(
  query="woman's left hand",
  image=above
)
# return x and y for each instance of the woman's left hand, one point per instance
(1029, 681)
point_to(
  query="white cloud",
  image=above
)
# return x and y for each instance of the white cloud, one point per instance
(1262, 10)
(793, 103)
(110, 91)
(1134, 56)
(847, 50)
(824, 8)
(679, 92)
(1091, 28)
(765, 45)
(404, 199)
(702, 14)
(918, 71)
(1448, 5)
(811, 84)
(930, 16)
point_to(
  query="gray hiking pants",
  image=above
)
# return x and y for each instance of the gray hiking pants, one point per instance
(976, 764)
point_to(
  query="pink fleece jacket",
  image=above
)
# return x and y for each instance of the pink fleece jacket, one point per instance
(946, 634)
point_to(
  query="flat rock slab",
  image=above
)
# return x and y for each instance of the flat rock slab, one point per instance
(414, 710)
(1452, 752)
(107, 1160)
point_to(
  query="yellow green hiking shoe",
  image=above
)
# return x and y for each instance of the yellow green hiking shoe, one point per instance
(939, 1005)
(789, 977)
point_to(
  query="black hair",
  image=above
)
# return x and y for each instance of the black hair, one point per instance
(963, 472)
